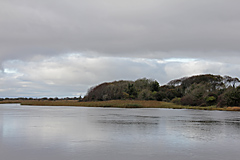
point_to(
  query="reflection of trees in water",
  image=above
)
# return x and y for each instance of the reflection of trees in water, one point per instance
(127, 122)
(208, 129)
(235, 122)
(199, 129)
(131, 122)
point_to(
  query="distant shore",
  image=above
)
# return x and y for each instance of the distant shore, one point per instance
(117, 104)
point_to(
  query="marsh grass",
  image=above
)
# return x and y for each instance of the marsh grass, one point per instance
(233, 108)
(113, 103)
(118, 104)
(9, 101)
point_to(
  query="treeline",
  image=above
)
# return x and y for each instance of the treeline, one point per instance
(200, 90)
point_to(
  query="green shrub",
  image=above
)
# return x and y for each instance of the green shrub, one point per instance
(176, 100)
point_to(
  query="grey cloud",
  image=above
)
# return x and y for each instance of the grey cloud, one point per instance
(112, 40)
(178, 28)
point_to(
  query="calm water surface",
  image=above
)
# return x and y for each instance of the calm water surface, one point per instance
(80, 133)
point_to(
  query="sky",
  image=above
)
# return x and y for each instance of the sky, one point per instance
(61, 48)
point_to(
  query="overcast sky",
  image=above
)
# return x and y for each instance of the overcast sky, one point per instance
(59, 48)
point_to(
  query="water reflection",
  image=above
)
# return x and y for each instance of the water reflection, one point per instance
(59, 133)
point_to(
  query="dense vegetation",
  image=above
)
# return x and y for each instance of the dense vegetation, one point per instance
(200, 90)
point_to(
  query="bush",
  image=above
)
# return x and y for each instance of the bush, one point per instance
(221, 101)
(231, 97)
(187, 100)
(176, 100)
(145, 94)
(211, 100)
(160, 96)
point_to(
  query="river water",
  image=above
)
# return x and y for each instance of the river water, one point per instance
(81, 133)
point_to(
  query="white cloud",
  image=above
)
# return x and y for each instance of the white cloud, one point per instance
(178, 69)
(72, 74)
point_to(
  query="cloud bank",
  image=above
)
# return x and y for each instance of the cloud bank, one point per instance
(61, 48)
(73, 74)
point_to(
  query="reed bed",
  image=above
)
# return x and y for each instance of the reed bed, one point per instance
(9, 101)
(111, 103)
(118, 104)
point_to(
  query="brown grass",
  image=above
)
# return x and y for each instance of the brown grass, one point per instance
(10, 101)
(111, 103)
(233, 108)
(117, 103)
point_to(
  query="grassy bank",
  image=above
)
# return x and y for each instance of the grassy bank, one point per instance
(111, 103)
(9, 101)
(118, 104)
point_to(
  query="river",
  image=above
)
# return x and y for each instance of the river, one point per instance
(81, 133)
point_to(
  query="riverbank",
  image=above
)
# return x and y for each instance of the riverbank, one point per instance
(117, 104)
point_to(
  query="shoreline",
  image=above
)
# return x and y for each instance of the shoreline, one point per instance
(116, 104)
